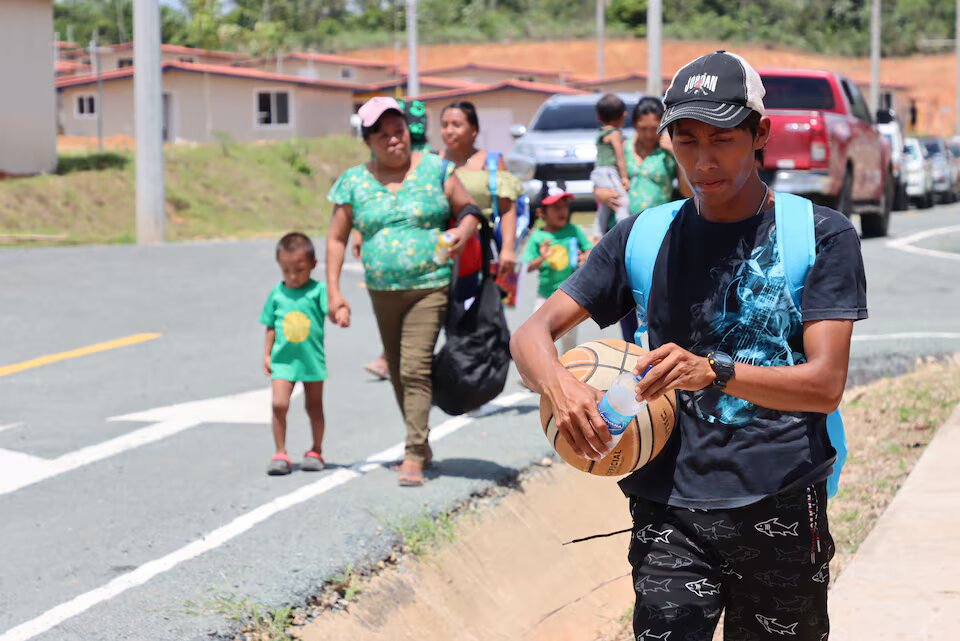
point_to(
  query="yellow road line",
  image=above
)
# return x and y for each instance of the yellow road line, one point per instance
(6, 370)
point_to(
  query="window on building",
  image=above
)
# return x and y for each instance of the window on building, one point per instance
(124, 62)
(273, 108)
(86, 106)
(346, 73)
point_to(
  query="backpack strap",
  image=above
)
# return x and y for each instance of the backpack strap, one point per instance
(796, 241)
(491, 164)
(797, 244)
(643, 247)
(444, 166)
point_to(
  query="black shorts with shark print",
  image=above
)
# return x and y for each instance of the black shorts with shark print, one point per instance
(765, 566)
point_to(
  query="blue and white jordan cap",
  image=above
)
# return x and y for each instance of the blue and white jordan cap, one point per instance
(720, 89)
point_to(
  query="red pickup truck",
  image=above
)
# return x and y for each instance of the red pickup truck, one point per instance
(824, 144)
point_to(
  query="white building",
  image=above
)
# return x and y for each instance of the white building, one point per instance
(28, 126)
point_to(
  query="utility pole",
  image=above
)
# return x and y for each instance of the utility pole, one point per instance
(956, 46)
(875, 57)
(413, 72)
(95, 60)
(148, 92)
(601, 37)
(654, 47)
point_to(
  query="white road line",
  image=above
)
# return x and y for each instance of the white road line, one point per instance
(866, 338)
(58, 614)
(250, 407)
(9, 426)
(906, 243)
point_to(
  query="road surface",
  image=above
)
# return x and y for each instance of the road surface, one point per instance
(132, 472)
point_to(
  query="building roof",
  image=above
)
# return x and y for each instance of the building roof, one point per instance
(69, 66)
(433, 81)
(323, 58)
(207, 53)
(593, 82)
(215, 70)
(519, 85)
(490, 66)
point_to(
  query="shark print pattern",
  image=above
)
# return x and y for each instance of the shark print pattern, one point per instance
(740, 554)
(776, 579)
(773, 626)
(669, 560)
(761, 560)
(703, 588)
(796, 605)
(669, 611)
(718, 530)
(646, 585)
(823, 574)
(773, 527)
(647, 635)
(649, 535)
(798, 554)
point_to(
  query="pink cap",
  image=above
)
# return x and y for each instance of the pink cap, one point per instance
(371, 110)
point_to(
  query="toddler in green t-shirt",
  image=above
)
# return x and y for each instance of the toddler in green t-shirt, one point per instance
(556, 249)
(294, 314)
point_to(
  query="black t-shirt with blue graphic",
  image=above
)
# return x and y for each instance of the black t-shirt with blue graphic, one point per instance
(720, 287)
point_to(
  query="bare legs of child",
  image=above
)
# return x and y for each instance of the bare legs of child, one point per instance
(281, 464)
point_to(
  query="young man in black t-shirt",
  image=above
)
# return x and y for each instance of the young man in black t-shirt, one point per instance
(732, 514)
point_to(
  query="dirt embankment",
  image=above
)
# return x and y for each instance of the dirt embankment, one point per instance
(928, 78)
(507, 574)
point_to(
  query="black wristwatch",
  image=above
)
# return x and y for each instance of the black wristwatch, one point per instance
(723, 366)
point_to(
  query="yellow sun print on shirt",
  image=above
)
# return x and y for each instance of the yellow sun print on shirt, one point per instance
(296, 327)
(558, 258)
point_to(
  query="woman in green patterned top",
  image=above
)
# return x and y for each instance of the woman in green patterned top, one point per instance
(650, 166)
(651, 169)
(400, 201)
(459, 128)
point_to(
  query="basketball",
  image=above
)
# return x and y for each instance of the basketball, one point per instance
(598, 363)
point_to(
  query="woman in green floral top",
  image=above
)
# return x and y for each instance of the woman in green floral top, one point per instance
(401, 202)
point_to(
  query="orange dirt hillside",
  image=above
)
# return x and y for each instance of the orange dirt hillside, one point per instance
(930, 78)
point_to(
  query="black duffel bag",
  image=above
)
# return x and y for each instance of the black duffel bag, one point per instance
(471, 368)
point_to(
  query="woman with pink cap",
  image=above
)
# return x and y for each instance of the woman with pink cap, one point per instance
(401, 202)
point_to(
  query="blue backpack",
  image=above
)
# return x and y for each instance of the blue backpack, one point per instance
(797, 247)
(522, 204)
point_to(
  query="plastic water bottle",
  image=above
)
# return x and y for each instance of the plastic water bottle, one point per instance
(442, 253)
(619, 406)
(573, 248)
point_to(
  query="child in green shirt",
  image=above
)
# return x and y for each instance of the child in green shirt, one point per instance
(556, 249)
(610, 168)
(294, 314)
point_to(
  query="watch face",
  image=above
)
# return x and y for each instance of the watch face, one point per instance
(723, 360)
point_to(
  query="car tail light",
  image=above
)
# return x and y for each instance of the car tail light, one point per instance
(819, 147)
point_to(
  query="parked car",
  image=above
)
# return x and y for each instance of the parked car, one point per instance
(825, 145)
(560, 144)
(890, 128)
(954, 145)
(943, 167)
(919, 173)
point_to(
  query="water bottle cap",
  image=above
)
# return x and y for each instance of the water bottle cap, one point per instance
(645, 372)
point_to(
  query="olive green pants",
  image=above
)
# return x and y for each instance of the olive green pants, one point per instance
(409, 322)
